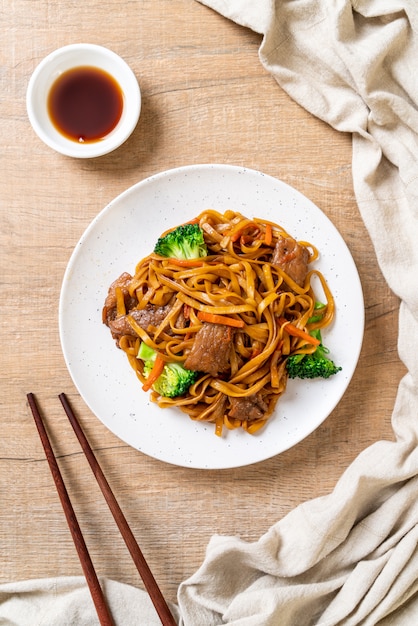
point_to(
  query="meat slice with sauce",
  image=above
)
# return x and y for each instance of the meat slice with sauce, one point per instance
(248, 409)
(109, 309)
(211, 349)
(150, 316)
(292, 258)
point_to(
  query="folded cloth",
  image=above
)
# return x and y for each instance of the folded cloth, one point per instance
(66, 601)
(350, 557)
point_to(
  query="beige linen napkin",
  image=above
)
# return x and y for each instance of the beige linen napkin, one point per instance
(350, 557)
(66, 601)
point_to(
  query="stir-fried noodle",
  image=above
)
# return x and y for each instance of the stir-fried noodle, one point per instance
(253, 302)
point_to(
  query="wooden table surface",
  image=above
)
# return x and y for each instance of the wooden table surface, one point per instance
(206, 99)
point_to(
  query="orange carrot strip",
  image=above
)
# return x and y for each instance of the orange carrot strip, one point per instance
(244, 239)
(236, 236)
(186, 262)
(219, 319)
(255, 352)
(294, 331)
(268, 238)
(154, 373)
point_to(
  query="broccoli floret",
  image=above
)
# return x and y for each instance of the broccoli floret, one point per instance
(184, 242)
(174, 380)
(315, 365)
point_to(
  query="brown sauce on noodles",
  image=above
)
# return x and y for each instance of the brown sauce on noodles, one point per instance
(228, 315)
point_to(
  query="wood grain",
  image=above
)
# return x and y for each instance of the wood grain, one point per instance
(206, 99)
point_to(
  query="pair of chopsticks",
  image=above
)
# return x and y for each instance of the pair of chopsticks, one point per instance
(96, 591)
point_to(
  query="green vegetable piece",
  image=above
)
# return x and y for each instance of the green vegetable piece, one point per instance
(315, 365)
(184, 242)
(145, 353)
(319, 307)
(174, 380)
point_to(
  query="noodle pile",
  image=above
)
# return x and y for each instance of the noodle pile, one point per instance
(237, 281)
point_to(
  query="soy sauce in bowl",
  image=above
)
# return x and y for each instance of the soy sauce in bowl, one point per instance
(83, 100)
(85, 104)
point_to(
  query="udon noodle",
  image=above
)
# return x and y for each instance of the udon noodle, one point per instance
(255, 287)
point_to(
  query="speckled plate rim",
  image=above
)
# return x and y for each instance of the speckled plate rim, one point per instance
(124, 232)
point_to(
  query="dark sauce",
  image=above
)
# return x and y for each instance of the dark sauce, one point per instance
(85, 104)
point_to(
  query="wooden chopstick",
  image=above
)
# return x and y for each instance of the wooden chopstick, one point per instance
(83, 553)
(144, 571)
(148, 579)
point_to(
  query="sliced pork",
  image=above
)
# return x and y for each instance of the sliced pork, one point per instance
(292, 258)
(211, 349)
(150, 316)
(109, 308)
(248, 409)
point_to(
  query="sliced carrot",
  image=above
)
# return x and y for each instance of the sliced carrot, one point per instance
(219, 319)
(255, 352)
(244, 239)
(237, 234)
(294, 331)
(154, 373)
(268, 238)
(186, 262)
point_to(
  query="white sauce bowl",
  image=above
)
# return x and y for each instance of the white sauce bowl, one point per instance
(73, 56)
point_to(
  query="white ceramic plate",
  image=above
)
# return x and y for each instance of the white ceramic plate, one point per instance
(123, 233)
